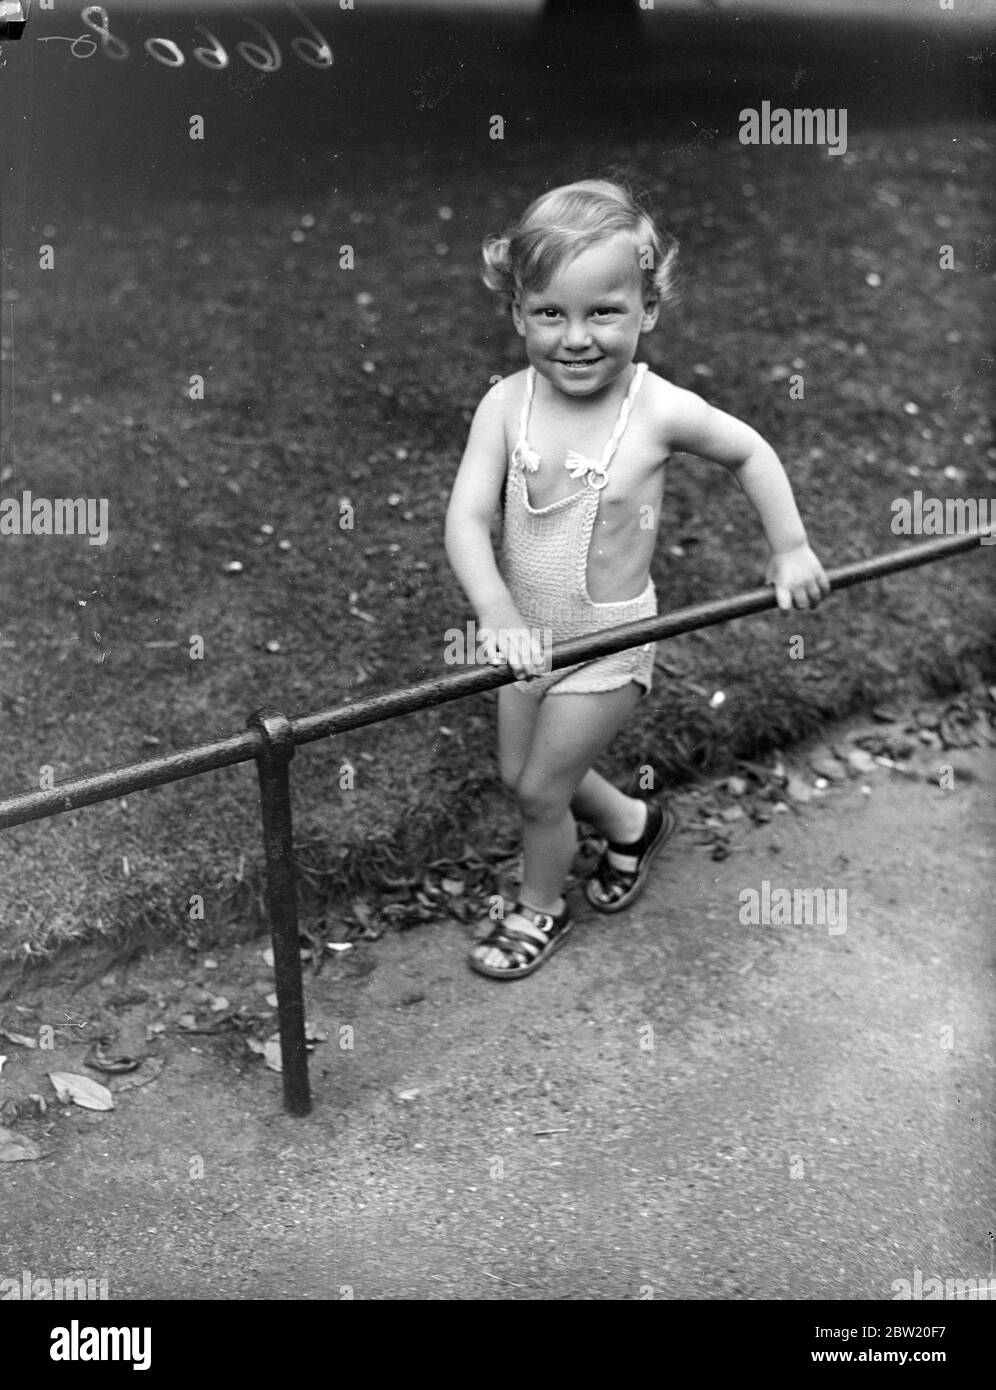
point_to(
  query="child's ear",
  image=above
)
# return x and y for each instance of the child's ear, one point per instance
(517, 319)
(651, 313)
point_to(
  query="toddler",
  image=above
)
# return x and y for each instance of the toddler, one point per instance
(573, 449)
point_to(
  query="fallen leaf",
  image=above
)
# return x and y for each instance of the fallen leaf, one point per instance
(268, 956)
(149, 1069)
(16, 1149)
(91, 1095)
(861, 760)
(828, 768)
(271, 1054)
(23, 1107)
(271, 999)
(798, 789)
(18, 1038)
(98, 1060)
(219, 1003)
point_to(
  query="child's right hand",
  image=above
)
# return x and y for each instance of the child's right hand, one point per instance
(505, 639)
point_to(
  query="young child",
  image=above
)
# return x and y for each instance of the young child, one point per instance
(574, 449)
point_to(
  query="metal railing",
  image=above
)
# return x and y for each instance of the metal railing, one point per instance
(271, 738)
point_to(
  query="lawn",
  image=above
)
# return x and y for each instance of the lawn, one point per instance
(325, 385)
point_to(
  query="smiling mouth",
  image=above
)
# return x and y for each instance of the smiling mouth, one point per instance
(581, 362)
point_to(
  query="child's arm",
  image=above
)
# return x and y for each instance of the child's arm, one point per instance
(476, 493)
(694, 427)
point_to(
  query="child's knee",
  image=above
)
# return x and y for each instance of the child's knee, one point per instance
(540, 799)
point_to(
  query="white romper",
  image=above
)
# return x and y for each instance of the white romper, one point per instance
(544, 561)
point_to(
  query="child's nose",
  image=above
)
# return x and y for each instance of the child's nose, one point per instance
(578, 335)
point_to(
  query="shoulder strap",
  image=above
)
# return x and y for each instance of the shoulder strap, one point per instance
(624, 413)
(527, 401)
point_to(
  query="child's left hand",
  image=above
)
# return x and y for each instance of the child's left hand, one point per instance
(798, 577)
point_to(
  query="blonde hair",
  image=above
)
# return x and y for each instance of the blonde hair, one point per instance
(562, 223)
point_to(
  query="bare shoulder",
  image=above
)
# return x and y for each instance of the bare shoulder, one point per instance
(671, 411)
(503, 400)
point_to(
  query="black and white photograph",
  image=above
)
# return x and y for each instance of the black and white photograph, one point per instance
(498, 668)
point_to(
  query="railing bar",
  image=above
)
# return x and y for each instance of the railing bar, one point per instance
(308, 728)
(130, 777)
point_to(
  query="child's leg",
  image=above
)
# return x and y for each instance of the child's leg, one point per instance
(518, 710)
(546, 749)
(569, 733)
(619, 817)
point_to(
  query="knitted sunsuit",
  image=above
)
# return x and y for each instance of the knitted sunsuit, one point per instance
(545, 563)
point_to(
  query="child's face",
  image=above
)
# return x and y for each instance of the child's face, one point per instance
(592, 314)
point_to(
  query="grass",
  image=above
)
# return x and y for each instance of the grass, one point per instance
(325, 384)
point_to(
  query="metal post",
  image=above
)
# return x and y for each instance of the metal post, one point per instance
(273, 766)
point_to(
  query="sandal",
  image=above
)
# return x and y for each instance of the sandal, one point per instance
(613, 887)
(526, 946)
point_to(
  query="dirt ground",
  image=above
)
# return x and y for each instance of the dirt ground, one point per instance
(678, 1105)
